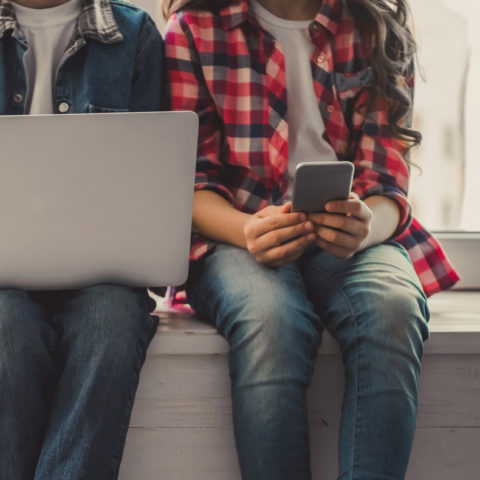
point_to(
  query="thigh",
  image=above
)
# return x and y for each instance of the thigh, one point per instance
(374, 293)
(229, 283)
(104, 320)
(263, 313)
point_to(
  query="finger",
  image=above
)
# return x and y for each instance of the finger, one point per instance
(338, 238)
(276, 255)
(350, 207)
(334, 250)
(279, 236)
(354, 195)
(348, 224)
(286, 260)
(274, 210)
(268, 211)
(274, 222)
(331, 220)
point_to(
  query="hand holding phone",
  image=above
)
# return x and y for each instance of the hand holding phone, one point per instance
(344, 226)
(276, 236)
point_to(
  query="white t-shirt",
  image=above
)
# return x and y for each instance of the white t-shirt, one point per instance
(305, 123)
(48, 32)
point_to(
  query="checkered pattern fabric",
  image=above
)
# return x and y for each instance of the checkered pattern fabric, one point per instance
(95, 21)
(231, 72)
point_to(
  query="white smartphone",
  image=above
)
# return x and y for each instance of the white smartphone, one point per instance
(317, 183)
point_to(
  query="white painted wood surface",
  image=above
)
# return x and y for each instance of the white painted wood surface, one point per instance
(181, 422)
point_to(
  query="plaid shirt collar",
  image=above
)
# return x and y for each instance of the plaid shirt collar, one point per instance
(95, 21)
(329, 14)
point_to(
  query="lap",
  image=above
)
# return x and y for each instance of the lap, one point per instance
(376, 289)
(379, 279)
(230, 285)
(98, 313)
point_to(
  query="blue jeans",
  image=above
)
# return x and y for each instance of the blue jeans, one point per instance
(69, 369)
(273, 319)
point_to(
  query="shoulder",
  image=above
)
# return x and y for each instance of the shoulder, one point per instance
(197, 25)
(125, 11)
(354, 40)
(133, 22)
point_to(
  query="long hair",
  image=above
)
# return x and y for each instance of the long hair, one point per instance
(392, 55)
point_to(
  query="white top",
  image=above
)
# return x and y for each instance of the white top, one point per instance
(305, 123)
(48, 32)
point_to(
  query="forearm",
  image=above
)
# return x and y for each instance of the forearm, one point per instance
(386, 216)
(217, 219)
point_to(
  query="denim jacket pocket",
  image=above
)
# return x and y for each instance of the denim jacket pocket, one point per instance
(97, 109)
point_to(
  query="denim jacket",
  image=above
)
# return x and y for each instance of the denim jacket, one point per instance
(113, 63)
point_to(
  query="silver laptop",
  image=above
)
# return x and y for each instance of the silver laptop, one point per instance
(89, 199)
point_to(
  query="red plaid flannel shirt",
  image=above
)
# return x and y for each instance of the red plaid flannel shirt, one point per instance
(231, 72)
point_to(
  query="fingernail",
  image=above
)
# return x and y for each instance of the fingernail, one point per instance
(308, 226)
(303, 217)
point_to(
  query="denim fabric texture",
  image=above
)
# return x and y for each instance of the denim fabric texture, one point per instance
(375, 308)
(70, 360)
(69, 369)
(110, 73)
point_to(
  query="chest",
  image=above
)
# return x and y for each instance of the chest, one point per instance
(76, 80)
(247, 77)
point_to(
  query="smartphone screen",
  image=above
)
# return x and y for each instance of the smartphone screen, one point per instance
(319, 183)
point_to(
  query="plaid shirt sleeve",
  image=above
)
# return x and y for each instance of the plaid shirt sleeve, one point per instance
(188, 91)
(381, 161)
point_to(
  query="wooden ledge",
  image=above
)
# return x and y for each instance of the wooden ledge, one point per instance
(454, 330)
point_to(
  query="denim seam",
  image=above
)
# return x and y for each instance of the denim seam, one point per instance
(269, 383)
(118, 451)
(357, 354)
(403, 394)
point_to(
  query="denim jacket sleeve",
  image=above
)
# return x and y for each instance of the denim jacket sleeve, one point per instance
(148, 77)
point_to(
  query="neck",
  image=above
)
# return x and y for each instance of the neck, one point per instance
(39, 3)
(292, 10)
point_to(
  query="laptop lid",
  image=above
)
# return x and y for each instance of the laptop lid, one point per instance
(96, 198)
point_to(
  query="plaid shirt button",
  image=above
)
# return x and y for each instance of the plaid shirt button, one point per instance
(330, 109)
(321, 57)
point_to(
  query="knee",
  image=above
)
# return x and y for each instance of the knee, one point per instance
(279, 323)
(272, 339)
(118, 321)
(400, 317)
(391, 335)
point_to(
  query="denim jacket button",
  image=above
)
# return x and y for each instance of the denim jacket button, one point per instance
(63, 107)
(17, 98)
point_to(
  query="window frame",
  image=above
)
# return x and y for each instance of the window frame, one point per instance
(463, 248)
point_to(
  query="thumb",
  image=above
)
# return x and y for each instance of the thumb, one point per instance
(354, 196)
(286, 207)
